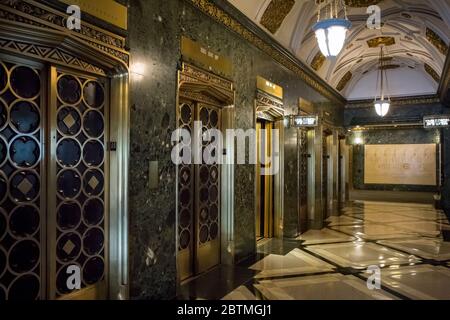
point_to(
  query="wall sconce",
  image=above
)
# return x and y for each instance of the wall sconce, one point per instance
(358, 141)
(137, 70)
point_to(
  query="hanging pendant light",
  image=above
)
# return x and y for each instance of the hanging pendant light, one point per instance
(331, 32)
(382, 102)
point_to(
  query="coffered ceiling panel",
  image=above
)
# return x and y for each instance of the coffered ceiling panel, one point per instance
(414, 33)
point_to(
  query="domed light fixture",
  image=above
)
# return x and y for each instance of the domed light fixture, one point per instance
(383, 101)
(331, 31)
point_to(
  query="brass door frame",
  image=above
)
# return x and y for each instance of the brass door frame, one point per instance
(101, 289)
(89, 58)
(270, 109)
(269, 202)
(200, 86)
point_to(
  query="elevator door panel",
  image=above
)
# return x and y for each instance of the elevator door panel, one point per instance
(199, 197)
(22, 182)
(207, 197)
(303, 183)
(79, 222)
(265, 215)
(325, 176)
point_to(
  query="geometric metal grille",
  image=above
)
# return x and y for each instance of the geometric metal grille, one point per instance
(81, 157)
(21, 172)
(208, 182)
(186, 185)
(198, 189)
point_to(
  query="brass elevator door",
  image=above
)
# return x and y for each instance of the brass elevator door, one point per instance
(265, 215)
(78, 183)
(53, 181)
(22, 180)
(199, 197)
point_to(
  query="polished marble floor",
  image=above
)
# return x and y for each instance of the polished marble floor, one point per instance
(409, 243)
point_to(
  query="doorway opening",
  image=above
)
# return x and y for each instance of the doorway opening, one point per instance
(265, 216)
(269, 173)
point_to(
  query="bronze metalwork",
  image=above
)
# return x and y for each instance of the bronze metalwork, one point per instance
(91, 55)
(40, 16)
(22, 180)
(344, 81)
(318, 61)
(429, 69)
(275, 13)
(201, 96)
(437, 41)
(361, 3)
(221, 16)
(378, 41)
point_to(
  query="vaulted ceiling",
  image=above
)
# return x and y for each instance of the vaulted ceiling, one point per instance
(415, 34)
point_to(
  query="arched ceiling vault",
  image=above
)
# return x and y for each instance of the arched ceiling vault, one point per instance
(415, 35)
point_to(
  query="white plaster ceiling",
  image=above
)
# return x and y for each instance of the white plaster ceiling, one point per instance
(405, 20)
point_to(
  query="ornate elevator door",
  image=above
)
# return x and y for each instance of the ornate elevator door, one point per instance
(78, 182)
(53, 181)
(22, 180)
(199, 197)
(303, 181)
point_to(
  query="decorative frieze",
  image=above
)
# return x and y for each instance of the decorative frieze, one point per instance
(30, 12)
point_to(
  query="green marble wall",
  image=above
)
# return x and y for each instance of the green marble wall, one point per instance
(156, 27)
(408, 113)
(409, 136)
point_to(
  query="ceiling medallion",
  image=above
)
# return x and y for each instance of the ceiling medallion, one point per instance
(437, 41)
(344, 81)
(390, 66)
(318, 61)
(276, 12)
(361, 3)
(429, 69)
(331, 29)
(378, 41)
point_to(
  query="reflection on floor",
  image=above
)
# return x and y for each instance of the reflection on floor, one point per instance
(410, 243)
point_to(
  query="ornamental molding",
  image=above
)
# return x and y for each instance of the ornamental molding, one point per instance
(396, 102)
(271, 48)
(199, 85)
(29, 12)
(49, 54)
